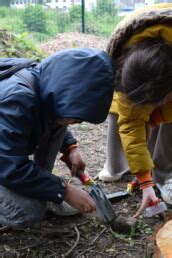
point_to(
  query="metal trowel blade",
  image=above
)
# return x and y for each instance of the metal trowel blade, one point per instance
(118, 196)
(104, 207)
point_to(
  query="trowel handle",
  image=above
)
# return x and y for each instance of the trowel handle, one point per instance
(132, 185)
(84, 178)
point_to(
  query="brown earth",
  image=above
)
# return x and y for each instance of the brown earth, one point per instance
(56, 236)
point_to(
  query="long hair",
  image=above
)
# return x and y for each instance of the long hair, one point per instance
(145, 71)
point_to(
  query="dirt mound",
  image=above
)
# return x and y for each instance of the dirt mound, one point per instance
(72, 40)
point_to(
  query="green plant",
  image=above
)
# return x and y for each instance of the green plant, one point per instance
(75, 13)
(11, 19)
(105, 7)
(19, 45)
(119, 235)
(133, 231)
(3, 12)
(42, 24)
(105, 24)
(63, 21)
(38, 37)
(145, 228)
(11, 51)
(23, 42)
(148, 253)
(34, 18)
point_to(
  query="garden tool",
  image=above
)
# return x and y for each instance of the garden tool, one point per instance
(118, 196)
(105, 209)
(122, 224)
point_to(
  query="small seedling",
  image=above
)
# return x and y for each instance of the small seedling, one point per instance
(145, 228)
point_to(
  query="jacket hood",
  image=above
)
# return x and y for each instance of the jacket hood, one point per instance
(136, 22)
(77, 83)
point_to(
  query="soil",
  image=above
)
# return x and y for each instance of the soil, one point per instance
(84, 235)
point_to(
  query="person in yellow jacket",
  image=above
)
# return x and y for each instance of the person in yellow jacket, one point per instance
(141, 48)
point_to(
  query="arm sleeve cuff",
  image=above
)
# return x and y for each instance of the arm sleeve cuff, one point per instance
(68, 140)
(145, 179)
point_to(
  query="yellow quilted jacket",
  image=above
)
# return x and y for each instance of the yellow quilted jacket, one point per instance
(132, 119)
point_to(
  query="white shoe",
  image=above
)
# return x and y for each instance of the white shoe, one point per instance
(106, 176)
(166, 191)
(63, 209)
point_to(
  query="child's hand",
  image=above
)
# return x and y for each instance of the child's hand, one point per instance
(148, 195)
(79, 199)
(76, 161)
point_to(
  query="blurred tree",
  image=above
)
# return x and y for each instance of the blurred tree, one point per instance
(75, 13)
(106, 7)
(5, 2)
(34, 18)
(40, 1)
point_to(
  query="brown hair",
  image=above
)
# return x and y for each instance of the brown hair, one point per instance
(145, 71)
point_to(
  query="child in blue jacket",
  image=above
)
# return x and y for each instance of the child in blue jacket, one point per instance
(69, 87)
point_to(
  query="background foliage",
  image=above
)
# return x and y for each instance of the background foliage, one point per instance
(34, 18)
(42, 23)
(105, 7)
(18, 46)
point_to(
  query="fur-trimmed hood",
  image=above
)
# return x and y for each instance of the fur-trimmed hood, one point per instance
(136, 22)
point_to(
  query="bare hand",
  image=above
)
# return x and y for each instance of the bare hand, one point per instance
(76, 161)
(148, 195)
(79, 199)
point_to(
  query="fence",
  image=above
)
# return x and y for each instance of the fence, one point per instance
(42, 22)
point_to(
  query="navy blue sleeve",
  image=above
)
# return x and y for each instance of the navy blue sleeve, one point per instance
(17, 172)
(68, 140)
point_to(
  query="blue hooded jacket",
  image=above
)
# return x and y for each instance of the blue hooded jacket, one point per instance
(76, 83)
